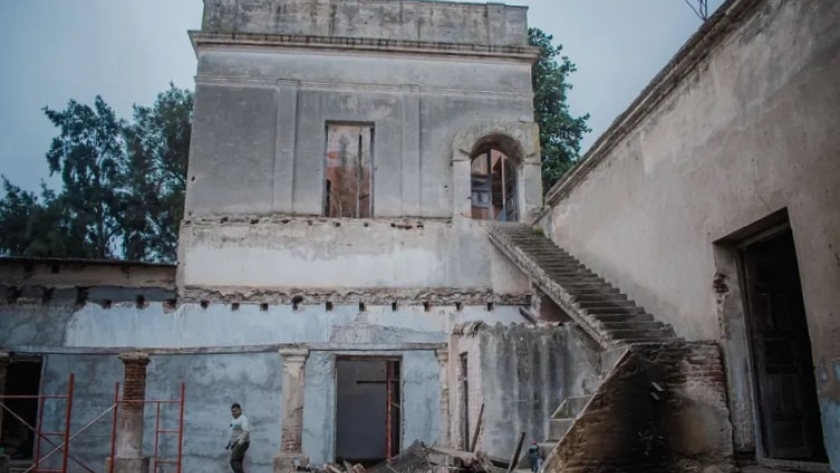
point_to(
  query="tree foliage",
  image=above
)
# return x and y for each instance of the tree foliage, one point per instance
(560, 132)
(122, 192)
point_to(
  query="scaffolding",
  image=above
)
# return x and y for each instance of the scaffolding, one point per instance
(39, 460)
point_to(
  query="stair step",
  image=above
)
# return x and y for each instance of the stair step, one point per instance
(663, 333)
(626, 318)
(576, 279)
(592, 290)
(558, 428)
(571, 407)
(615, 310)
(599, 304)
(595, 297)
(573, 281)
(649, 325)
(564, 268)
(637, 341)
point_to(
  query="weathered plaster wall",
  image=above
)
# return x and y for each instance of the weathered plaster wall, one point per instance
(227, 356)
(214, 382)
(451, 22)
(261, 117)
(747, 133)
(521, 374)
(314, 253)
(191, 326)
(58, 274)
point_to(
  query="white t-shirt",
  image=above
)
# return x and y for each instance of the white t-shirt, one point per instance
(239, 430)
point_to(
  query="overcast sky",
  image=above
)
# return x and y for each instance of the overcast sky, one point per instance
(129, 50)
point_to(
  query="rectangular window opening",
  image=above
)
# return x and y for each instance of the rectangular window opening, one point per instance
(368, 406)
(349, 171)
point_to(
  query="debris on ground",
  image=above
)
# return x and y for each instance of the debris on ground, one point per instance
(419, 458)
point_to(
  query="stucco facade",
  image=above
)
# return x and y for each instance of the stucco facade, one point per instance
(733, 137)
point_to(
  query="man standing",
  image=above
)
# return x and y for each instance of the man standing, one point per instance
(534, 455)
(240, 438)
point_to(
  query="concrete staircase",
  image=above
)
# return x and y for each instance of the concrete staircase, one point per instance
(563, 419)
(600, 309)
(607, 315)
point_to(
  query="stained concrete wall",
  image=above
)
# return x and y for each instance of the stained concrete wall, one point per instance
(449, 22)
(521, 374)
(747, 132)
(304, 253)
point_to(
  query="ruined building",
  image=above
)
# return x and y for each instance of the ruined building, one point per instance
(366, 257)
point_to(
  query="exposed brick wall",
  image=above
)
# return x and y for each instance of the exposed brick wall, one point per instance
(679, 424)
(134, 381)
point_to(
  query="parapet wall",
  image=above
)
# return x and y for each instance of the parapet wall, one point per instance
(412, 20)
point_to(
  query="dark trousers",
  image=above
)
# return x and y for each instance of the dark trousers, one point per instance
(237, 456)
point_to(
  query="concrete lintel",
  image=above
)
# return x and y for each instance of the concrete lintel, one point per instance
(365, 347)
(222, 350)
(248, 41)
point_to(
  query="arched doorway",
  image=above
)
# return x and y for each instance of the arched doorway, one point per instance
(496, 171)
(493, 181)
(494, 178)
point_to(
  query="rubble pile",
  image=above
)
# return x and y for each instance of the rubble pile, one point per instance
(419, 458)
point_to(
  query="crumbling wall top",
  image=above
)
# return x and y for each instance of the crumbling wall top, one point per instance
(409, 20)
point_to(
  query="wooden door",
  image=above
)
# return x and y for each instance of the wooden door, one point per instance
(781, 348)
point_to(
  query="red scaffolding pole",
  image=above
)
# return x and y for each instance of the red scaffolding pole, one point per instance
(40, 434)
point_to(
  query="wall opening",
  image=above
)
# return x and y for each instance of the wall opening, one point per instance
(23, 378)
(786, 391)
(493, 184)
(464, 404)
(349, 176)
(369, 410)
(549, 311)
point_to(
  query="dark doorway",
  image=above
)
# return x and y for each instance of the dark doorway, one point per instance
(781, 349)
(463, 371)
(23, 378)
(368, 410)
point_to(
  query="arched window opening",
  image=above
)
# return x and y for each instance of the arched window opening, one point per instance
(493, 181)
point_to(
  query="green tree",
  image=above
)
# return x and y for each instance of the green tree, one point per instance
(159, 146)
(560, 132)
(122, 192)
(90, 156)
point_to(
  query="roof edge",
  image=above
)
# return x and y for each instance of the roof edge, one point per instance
(717, 28)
